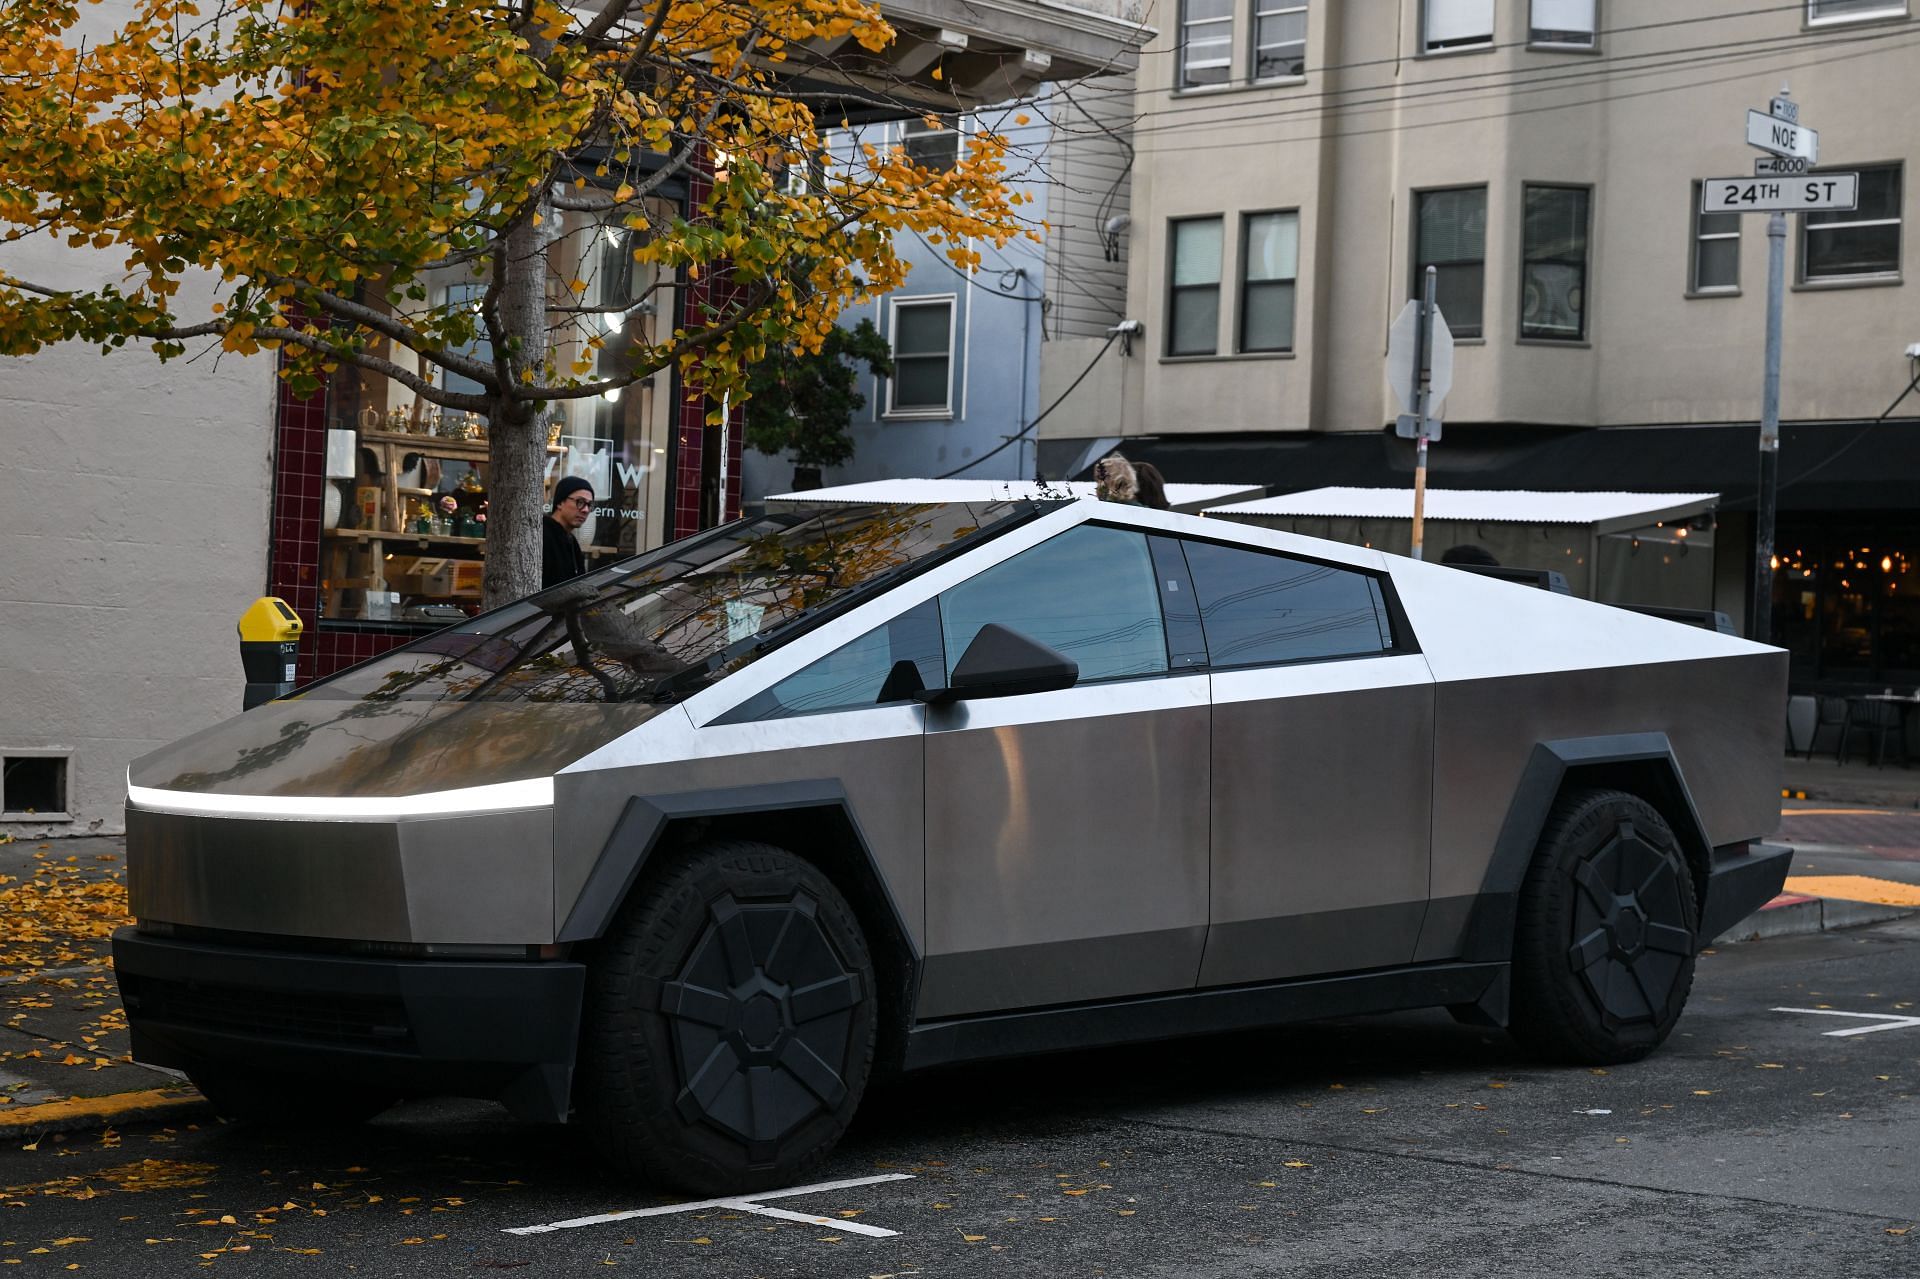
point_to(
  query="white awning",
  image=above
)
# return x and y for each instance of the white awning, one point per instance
(1181, 497)
(1482, 506)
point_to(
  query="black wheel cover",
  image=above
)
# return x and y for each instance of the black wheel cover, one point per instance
(761, 1014)
(1631, 935)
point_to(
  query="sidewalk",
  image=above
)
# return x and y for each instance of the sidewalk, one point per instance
(1855, 782)
(63, 1036)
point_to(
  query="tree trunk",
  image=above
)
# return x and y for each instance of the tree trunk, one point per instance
(517, 441)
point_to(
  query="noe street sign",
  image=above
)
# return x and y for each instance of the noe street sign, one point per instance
(1813, 193)
(1782, 137)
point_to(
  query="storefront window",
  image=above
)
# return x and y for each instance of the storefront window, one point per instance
(1846, 603)
(405, 496)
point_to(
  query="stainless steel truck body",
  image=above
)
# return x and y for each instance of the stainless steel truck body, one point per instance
(692, 846)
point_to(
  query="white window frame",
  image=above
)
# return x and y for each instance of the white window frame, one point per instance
(1274, 9)
(922, 411)
(957, 127)
(1694, 287)
(1592, 31)
(1468, 44)
(1807, 230)
(1183, 63)
(1891, 9)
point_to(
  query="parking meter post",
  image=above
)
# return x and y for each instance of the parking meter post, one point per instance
(1420, 410)
(269, 648)
(1760, 617)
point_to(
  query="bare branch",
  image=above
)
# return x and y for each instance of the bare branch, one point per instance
(388, 327)
(425, 389)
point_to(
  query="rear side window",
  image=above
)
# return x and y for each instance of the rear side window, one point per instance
(888, 664)
(1258, 609)
(1090, 592)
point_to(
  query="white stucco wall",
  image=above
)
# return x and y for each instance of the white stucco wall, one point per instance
(134, 502)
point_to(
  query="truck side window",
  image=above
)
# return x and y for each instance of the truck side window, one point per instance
(888, 664)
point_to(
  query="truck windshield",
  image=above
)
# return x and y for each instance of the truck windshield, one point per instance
(526, 690)
(666, 624)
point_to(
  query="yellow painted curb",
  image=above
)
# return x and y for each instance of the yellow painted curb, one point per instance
(1855, 888)
(87, 1112)
(1840, 812)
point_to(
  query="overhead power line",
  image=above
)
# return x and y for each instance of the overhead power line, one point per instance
(1909, 41)
(1024, 431)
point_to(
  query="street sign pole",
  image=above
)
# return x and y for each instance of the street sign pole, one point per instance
(1431, 285)
(1760, 625)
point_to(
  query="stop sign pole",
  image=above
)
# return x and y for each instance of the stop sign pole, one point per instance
(1420, 371)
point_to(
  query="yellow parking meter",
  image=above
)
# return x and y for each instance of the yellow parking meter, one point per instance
(269, 643)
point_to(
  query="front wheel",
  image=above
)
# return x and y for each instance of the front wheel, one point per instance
(1606, 932)
(730, 1022)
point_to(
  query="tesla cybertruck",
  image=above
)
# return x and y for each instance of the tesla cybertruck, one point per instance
(691, 848)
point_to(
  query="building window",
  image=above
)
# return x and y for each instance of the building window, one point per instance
(1458, 24)
(1854, 10)
(1206, 42)
(1193, 307)
(932, 143)
(1862, 243)
(1553, 264)
(1279, 39)
(1565, 24)
(1269, 264)
(1716, 250)
(922, 381)
(1452, 235)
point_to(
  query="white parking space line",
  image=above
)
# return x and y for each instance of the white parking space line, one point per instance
(807, 1218)
(745, 1203)
(1888, 1021)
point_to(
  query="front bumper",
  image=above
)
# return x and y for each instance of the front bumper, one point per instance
(420, 1027)
(1742, 879)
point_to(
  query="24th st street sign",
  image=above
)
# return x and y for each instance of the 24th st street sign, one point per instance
(1810, 194)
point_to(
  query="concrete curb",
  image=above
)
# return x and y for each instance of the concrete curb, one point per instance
(79, 1113)
(1794, 915)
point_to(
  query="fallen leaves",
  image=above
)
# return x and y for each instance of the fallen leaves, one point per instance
(132, 1178)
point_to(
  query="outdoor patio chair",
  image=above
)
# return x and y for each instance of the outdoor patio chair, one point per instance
(1881, 721)
(1832, 714)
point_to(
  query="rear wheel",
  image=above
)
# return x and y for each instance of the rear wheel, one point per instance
(273, 1100)
(730, 1022)
(1606, 932)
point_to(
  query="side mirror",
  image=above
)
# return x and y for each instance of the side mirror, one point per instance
(1001, 662)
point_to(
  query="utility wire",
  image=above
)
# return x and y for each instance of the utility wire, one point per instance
(1022, 432)
(1190, 148)
(1511, 80)
(1859, 435)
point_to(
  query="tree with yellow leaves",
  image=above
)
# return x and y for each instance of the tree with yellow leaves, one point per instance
(426, 192)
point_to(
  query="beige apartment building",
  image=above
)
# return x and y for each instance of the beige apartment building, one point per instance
(1296, 164)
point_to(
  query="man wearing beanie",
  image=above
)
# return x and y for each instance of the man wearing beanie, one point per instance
(561, 558)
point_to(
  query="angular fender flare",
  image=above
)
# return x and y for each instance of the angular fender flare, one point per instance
(1642, 763)
(646, 819)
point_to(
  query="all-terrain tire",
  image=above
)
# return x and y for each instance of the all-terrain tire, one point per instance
(730, 1022)
(1606, 932)
(269, 1099)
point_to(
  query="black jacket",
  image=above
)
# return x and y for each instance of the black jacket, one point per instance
(561, 558)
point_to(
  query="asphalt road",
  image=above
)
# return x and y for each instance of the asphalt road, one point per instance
(1755, 1143)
